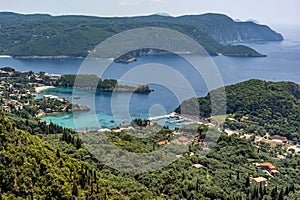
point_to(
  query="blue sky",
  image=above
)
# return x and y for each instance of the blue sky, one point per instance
(271, 12)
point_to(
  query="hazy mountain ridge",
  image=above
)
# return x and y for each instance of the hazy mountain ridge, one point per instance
(46, 35)
(223, 28)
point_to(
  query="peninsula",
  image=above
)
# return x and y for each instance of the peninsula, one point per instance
(76, 36)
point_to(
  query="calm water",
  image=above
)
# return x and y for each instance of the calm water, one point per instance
(281, 64)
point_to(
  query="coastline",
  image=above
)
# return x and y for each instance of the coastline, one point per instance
(5, 56)
(43, 57)
(42, 88)
(43, 114)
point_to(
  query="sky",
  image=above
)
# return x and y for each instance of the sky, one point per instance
(270, 12)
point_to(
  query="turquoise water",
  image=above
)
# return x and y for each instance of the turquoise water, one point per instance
(138, 106)
(281, 64)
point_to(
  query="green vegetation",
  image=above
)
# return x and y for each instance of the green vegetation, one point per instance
(259, 107)
(85, 81)
(224, 173)
(231, 50)
(45, 35)
(32, 169)
(46, 161)
(91, 81)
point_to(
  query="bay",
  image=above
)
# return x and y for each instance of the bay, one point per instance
(281, 64)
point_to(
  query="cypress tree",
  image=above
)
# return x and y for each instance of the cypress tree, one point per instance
(247, 183)
(287, 191)
(260, 190)
(280, 197)
(238, 176)
(57, 153)
(75, 190)
(274, 193)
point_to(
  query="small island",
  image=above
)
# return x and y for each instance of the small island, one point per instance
(93, 82)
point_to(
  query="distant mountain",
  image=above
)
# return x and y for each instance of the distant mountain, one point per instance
(253, 20)
(222, 28)
(46, 35)
(163, 14)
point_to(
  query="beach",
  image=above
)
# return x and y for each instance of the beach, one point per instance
(41, 88)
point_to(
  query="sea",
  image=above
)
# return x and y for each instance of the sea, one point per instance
(171, 77)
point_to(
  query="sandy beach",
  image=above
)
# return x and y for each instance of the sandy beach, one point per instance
(41, 88)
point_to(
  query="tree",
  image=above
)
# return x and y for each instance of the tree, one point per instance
(247, 183)
(75, 190)
(57, 153)
(274, 193)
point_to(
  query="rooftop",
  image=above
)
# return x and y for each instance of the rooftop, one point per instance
(267, 164)
(259, 179)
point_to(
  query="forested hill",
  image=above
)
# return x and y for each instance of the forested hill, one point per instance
(260, 106)
(46, 35)
(33, 169)
(52, 162)
(221, 27)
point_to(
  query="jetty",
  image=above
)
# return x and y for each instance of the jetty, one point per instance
(173, 114)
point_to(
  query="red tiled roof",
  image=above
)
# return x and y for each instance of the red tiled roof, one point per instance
(182, 138)
(269, 165)
(162, 142)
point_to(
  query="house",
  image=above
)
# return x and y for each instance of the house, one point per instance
(294, 149)
(53, 76)
(269, 167)
(277, 138)
(48, 110)
(197, 166)
(164, 142)
(182, 139)
(116, 130)
(179, 156)
(260, 180)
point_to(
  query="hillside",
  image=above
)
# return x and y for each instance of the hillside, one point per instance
(221, 27)
(53, 163)
(45, 35)
(33, 169)
(260, 106)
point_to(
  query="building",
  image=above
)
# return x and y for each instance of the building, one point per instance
(269, 167)
(48, 110)
(50, 97)
(182, 139)
(164, 142)
(277, 138)
(53, 76)
(294, 149)
(197, 166)
(260, 180)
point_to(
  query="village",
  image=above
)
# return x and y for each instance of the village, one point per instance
(17, 94)
(19, 89)
(278, 145)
